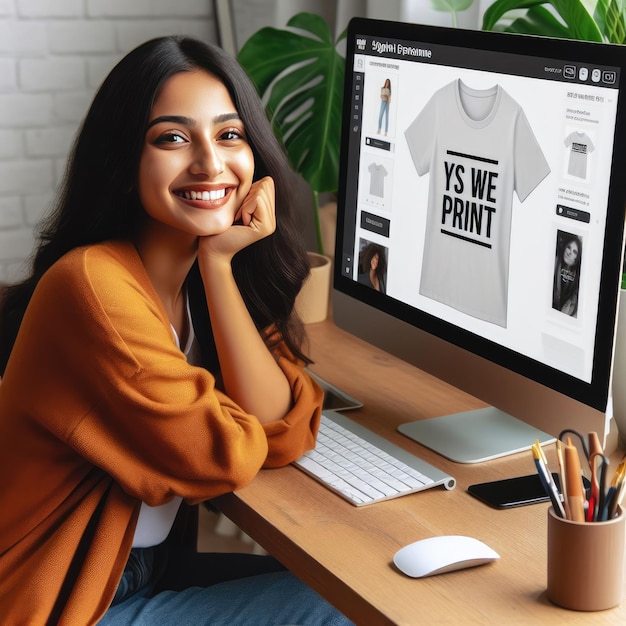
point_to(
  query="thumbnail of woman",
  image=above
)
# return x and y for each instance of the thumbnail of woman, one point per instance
(373, 267)
(567, 273)
(385, 98)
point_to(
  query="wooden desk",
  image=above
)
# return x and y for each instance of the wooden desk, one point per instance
(345, 553)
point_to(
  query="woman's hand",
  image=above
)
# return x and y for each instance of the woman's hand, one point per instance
(251, 375)
(254, 220)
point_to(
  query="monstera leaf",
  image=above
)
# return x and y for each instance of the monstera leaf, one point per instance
(299, 74)
(575, 19)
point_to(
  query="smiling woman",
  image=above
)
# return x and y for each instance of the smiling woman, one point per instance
(153, 358)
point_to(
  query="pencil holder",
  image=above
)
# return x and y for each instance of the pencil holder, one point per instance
(585, 562)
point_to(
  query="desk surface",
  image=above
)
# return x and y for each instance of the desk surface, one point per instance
(345, 552)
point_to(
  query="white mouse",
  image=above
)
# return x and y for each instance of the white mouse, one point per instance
(437, 555)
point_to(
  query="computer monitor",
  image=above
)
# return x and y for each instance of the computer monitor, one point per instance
(480, 223)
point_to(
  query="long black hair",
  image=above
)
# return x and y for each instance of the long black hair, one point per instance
(98, 201)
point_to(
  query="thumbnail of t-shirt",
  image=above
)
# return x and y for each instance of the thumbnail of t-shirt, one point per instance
(377, 179)
(580, 146)
(478, 147)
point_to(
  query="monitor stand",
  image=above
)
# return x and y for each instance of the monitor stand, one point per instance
(475, 436)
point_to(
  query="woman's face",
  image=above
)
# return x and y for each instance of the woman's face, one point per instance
(570, 254)
(196, 167)
(374, 261)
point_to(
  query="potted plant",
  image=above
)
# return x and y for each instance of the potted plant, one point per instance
(299, 74)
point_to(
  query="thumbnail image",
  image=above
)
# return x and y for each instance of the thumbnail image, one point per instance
(566, 284)
(376, 181)
(579, 148)
(372, 269)
(383, 113)
(377, 173)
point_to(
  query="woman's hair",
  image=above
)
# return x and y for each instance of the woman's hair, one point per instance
(98, 199)
(367, 254)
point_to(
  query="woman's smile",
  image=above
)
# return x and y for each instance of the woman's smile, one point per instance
(205, 198)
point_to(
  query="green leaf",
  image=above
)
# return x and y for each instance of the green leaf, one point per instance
(499, 8)
(299, 75)
(578, 23)
(312, 23)
(609, 16)
(576, 15)
(539, 21)
(451, 6)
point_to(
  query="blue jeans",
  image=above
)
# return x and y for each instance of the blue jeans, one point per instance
(384, 112)
(187, 594)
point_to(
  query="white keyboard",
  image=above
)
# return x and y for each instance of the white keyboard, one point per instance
(364, 468)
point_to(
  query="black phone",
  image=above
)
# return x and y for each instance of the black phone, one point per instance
(510, 492)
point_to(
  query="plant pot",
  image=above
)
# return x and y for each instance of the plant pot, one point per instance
(328, 226)
(313, 301)
(619, 370)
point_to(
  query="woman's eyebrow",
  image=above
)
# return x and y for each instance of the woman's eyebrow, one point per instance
(188, 121)
(176, 119)
(226, 117)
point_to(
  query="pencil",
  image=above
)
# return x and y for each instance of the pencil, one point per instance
(559, 455)
(573, 479)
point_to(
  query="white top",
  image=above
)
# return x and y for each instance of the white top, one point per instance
(155, 522)
(580, 146)
(478, 147)
(377, 179)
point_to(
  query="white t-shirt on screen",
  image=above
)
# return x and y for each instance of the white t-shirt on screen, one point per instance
(478, 148)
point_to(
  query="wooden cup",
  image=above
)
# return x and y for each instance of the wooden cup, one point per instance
(586, 562)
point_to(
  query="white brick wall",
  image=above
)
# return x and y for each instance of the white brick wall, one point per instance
(53, 56)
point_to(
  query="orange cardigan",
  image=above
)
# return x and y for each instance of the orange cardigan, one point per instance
(99, 410)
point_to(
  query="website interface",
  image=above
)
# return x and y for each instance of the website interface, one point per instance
(477, 191)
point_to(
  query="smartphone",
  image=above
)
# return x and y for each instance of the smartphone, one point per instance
(510, 492)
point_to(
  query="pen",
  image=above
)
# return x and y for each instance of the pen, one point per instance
(603, 514)
(573, 479)
(599, 495)
(592, 508)
(617, 484)
(554, 490)
(547, 481)
(559, 456)
(617, 499)
(595, 448)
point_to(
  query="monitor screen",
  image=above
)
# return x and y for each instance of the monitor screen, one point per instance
(482, 202)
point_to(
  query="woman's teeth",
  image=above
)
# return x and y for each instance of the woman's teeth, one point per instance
(204, 195)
